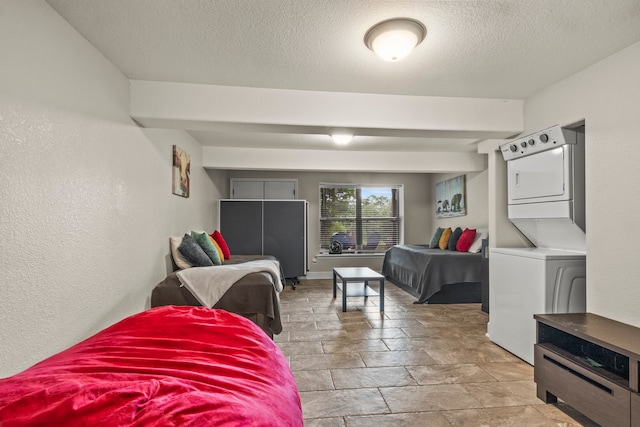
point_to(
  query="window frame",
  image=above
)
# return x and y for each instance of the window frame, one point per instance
(359, 239)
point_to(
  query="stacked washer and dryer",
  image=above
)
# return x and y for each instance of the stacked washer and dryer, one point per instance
(546, 202)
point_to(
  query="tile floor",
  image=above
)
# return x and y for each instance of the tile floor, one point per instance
(415, 365)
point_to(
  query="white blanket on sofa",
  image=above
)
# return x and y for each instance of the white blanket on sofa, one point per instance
(208, 284)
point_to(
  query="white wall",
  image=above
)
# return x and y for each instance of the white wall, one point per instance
(86, 206)
(503, 234)
(607, 96)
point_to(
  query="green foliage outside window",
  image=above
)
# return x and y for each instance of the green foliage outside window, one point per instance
(366, 216)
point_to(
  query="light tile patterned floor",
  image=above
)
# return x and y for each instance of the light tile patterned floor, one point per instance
(414, 365)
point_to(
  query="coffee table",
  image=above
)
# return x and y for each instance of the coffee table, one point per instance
(357, 274)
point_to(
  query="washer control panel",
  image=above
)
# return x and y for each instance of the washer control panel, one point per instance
(543, 140)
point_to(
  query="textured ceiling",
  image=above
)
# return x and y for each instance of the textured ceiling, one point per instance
(482, 48)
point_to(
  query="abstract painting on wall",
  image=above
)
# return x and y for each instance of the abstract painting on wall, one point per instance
(450, 198)
(181, 170)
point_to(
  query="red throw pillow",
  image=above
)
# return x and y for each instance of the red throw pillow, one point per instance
(466, 239)
(223, 245)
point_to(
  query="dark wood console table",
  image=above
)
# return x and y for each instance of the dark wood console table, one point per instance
(592, 364)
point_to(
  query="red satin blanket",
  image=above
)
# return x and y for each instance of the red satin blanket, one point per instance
(168, 366)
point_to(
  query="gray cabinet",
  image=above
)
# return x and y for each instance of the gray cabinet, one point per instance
(247, 188)
(267, 227)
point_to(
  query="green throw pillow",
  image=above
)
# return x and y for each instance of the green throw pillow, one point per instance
(435, 240)
(208, 248)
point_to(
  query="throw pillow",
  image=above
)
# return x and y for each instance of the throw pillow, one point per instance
(179, 259)
(206, 245)
(476, 246)
(217, 236)
(435, 240)
(466, 239)
(453, 240)
(218, 248)
(193, 252)
(444, 238)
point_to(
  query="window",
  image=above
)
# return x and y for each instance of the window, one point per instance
(363, 219)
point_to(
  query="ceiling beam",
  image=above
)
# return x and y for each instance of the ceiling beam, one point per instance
(229, 158)
(254, 111)
(200, 107)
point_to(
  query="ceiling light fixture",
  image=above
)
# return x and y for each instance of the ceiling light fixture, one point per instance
(395, 38)
(341, 138)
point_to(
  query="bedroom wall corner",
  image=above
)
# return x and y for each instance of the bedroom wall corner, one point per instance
(87, 208)
(220, 180)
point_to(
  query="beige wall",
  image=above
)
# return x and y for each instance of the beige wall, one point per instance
(419, 208)
(415, 215)
(476, 202)
(503, 233)
(86, 205)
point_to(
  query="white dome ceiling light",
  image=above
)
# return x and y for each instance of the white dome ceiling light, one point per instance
(395, 38)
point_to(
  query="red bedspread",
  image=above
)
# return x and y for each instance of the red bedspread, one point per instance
(168, 366)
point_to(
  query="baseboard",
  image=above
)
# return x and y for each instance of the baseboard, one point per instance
(319, 275)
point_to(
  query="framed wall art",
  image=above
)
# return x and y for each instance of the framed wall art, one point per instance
(181, 171)
(450, 198)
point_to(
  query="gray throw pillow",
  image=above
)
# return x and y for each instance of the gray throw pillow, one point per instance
(435, 240)
(192, 251)
(453, 240)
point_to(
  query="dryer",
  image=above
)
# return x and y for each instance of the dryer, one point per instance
(545, 173)
(546, 193)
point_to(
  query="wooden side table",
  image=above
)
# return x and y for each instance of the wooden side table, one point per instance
(592, 363)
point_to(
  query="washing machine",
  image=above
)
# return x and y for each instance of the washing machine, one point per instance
(528, 281)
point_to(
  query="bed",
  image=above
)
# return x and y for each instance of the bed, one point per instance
(435, 275)
(253, 296)
(167, 366)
